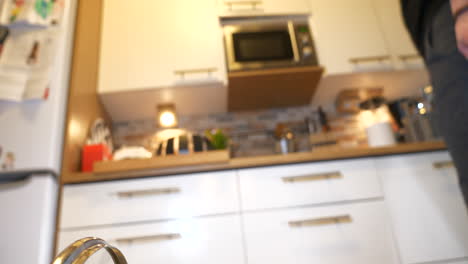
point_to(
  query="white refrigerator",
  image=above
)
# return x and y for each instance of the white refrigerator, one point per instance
(31, 139)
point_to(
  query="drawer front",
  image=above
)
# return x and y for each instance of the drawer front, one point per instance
(358, 233)
(149, 199)
(190, 241)
(293, 185)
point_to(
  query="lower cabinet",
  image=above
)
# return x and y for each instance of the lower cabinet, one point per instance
(186, 241)
(287, 216)
(354, 233)
(429, 216)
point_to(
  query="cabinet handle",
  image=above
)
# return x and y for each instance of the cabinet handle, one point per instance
(252, 3)
(313, 177)
(443, 165)
(163, 237)
(341, 219)
(194, 71)
(369, 59)
(150, 192)
(407, 57)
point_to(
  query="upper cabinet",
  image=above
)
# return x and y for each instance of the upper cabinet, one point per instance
(398, 40)
(151, 44)
(348, 36)
(361, 35)
(236, 8)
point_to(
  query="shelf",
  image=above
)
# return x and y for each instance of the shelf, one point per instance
(274, 88)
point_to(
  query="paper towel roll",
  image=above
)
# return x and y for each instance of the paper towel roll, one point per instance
(380, 134)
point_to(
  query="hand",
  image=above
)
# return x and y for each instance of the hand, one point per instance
(461, 30)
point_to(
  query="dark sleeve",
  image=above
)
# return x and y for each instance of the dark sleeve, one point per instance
(413, 16)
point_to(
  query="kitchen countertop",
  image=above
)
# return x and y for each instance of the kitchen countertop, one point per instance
(259, 161)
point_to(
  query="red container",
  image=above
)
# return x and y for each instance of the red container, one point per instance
(94, 153)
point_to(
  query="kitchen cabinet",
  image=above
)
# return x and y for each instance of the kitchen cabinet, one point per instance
(307, 184)
(399, 43)
(354, 233)
(348, 37)
(210, 240)
(149, 199)
(151, 44)
(362, 35)
(428, 213)
(236, 8)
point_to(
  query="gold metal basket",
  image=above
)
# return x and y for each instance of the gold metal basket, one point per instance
(80, 251)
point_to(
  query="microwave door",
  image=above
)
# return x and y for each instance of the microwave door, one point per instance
(261, 49)
(262, 46)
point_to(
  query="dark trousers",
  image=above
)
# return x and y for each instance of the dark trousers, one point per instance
(449, 73)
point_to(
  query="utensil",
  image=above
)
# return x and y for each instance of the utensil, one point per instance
(285, 140)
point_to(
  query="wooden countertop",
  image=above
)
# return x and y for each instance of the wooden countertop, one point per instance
(249, 162)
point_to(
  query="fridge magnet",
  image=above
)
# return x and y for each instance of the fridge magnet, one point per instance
(33, 54)
(9, 162)
(4, 32)
(59, 7)
(18, 6)
(44, 7)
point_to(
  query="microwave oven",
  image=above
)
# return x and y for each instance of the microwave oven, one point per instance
(253, 44)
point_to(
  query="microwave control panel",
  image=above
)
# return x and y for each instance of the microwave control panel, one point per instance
(305, 44)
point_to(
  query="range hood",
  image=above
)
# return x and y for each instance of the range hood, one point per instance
(272, 88)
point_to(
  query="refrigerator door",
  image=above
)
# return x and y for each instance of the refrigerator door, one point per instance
(27, 219)
(31, 133)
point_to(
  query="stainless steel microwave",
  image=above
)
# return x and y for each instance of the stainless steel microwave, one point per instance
(253, 44)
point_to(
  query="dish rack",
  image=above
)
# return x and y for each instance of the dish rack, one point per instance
(80, 251)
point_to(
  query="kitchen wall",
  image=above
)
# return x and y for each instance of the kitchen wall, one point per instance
(251, 133)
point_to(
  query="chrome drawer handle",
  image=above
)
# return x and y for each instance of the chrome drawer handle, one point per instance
(313, 177)
(162, 237)
(369, 59)
(407, 57)
(182, 73)
(341, 219)
(254, 4)
(443, 165)
(150, 192)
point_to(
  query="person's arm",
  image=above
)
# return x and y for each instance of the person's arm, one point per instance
(461, 26)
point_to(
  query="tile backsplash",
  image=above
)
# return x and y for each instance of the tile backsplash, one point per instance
(251, 133)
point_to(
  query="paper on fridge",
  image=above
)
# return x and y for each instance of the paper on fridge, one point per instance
(31, 56)
(31, 13)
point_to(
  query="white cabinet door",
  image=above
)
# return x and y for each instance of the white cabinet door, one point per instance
(235, 8)
(211, 240)
(355, 233)
(150, 44)
(157, 198)
(396, 35)
(427, 208)
(306, 184)
(348, 36)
